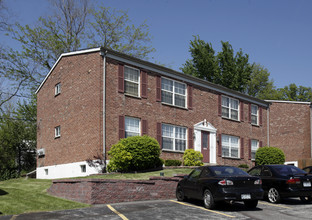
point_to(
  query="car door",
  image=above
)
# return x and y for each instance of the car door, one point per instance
(267, 178)
(191, 183)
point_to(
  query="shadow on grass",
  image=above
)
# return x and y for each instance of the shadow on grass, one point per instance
(2, 192)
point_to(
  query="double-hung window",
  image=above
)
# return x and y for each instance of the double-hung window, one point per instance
(173, 92)
(132, 127)
(57, 131)
(132, 81)
(173, 137)
(230, 146)
(57, 89)
(254, 114)
(254, 148)
(230, 108)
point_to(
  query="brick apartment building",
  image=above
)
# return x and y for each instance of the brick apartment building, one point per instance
(92, 98)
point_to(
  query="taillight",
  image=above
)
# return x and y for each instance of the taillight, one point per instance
(258, 182)
(293, 181)
(226, 182)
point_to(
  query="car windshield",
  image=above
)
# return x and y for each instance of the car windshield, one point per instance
(288, 170)
(228, 171)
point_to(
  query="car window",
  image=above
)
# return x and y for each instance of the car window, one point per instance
(206, 173)
(195, 174)
(288, 170)
(255, 172)
(228, 171)
(266, 172)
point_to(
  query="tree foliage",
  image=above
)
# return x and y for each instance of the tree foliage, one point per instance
(18, 140)
(225, 68)
(295, 93)
(73, 25)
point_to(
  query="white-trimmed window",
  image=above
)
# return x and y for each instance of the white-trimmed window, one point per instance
(254, 148)
(173, 92)
(132, 81)
(254, 114)
(173, 137)
(57, 89)
(132, 127)
(230, 108)
(57, 131)
(230, 146)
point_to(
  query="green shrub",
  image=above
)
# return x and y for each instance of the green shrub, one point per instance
(134, 154)
(269, 155)
(192, 158)
(173, 163)
(245, 166)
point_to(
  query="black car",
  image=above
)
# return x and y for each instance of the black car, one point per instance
(308, 169)
(281, 181)
(214, 184)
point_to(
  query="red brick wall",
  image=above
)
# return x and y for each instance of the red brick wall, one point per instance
(78, 110)
(290, 129)
(205, 106)
(101, 191)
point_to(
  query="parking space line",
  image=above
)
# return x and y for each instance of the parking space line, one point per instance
(198, 207)
(269, 204)
(118, 213)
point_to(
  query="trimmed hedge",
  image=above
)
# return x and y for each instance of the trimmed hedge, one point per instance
(269, 155)
(134, 154)
(192, 158)
(173, 163)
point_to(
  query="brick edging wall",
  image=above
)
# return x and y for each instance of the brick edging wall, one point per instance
(103, 191)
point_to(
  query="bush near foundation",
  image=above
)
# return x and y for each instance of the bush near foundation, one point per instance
(192, 158)
(173, 163)
(269, 155)
(134, 154)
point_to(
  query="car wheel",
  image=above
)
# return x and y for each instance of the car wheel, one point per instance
(274, 196)
(180, 194)
(306, 199)
(209, 202)
(251, 204)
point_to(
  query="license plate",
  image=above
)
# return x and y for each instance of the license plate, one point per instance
(245, 196)
(307, 184)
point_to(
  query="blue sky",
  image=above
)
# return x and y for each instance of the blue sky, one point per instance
(275, 33)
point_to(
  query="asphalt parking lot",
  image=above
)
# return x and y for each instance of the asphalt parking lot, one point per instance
(172, 209)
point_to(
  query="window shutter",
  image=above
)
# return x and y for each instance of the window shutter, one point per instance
(121, 78)
(190, 96)
(249, 149)
(219, 105)
(143, 84)
(190, 137)
(144, 127)
(242, 148)
(260, 116)
(249, 113)
(260, 145)
(121, 126)
(242, 111)
(220, 146)
(158, 89)
(159, 135)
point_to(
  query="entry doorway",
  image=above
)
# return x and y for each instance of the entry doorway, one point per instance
(205, 146)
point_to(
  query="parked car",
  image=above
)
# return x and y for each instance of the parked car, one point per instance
(281, 181)
(308, 169)
(214, 184)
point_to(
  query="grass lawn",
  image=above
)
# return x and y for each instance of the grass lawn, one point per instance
(19, 196)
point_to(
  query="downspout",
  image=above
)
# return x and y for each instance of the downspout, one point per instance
(268, 125)
(311, 127)
(103, 53)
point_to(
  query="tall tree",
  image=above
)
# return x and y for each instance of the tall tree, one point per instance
(226, 68)
(66, 31)
(295, 93)
(260, 85)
